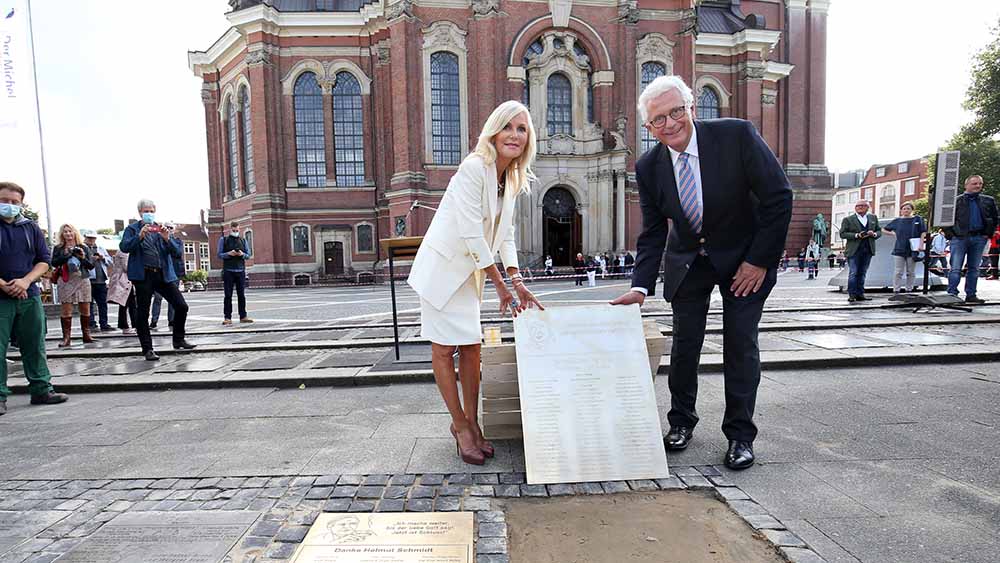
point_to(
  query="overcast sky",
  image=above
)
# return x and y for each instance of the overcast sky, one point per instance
(123, 119)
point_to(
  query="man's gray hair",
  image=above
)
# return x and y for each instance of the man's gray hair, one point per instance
(145, 203)
(662, 85)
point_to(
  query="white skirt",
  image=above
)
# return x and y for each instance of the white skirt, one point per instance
(457, 324)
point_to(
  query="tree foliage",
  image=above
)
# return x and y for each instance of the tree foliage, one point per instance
(105, 231)
(979, 156)
(983, 95)
(29, 212)
(196, 276)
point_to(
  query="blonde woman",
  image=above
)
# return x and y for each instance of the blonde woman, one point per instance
(73, 261)
(474, 222)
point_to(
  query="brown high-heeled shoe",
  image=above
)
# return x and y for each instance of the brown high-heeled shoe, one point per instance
(472, 456)
(484, 446)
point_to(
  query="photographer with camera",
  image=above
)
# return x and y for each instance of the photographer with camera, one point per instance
(860, 230)
(151, 253)
(179, 270)
(73, 260)
(98, 281)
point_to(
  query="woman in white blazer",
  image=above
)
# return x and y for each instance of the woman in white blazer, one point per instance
(474, 222)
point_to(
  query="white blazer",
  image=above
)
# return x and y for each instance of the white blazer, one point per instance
(460, 240)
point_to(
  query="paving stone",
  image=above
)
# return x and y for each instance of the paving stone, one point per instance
(491, 545)
(747, 508)
(71, 504)
(393, 492)
(460, 479)
(643, 485)
(279, 482)
(181, 495)
(493, 530)
(492, 558)
(403, 479)
(166, 505)
(764, 522)
(560, 490)
(370, 492)
(256, 483)
(373, 480)
(232, 483)
(477, 504)
(432, 479)
(289, 533)
(337, 505)
(420, 505)
(486, 479)
(732, 493)
(351, 480)
(185, 484)
(448, 504)
(254, 542)
(490, 516)
(588, 489)
(799, 555)
(214, 504)
(696, 482)
(188, 505)
(303, 517)
(273, 492)
(481, 491)
(362, 506)
(420, 491)
(144, 505)
(451, 491)
(344, 491)
(533, 491)
(319, 493)
(611, 487)
(507, 491)
(303, 481)
(280, 551)
(784, 538)
(226, 494)
(512, 479)
(164, 484)
(271, 363)
(119, 506)
(708, 470)
(684, 471)
(390, 505)
(200, 494)
(722, 481)
(209, 483)
(261, 504)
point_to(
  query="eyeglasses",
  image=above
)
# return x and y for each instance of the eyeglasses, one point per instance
(660, 120)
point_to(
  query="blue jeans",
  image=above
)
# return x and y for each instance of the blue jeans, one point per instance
(858, 270)
(99, 310)
(965, 249)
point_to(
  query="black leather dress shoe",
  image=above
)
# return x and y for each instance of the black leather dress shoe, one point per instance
(678, 438)
(50, 398)
(851, 298)
(740, 455)
(863, 298)
(184, 345)
(150, 356)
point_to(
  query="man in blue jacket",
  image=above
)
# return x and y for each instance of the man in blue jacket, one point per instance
(24, 257)
(151, 254)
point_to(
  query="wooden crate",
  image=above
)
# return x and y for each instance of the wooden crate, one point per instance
(500, 407)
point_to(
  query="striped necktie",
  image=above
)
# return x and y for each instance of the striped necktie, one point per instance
(688, 192)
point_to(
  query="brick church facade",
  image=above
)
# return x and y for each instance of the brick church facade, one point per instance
(334, 123)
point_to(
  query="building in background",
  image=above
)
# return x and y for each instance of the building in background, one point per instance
(884, 186)
(197, 248)
(327, 120)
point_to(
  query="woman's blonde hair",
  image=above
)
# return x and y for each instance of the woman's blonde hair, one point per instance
(519, 174)
(60, 241)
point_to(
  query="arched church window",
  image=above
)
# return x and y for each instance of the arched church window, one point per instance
(650, 71)
(446, 115)
(348, 134)
(247, 141)
(560, 100)
(708, 104)
(233, 147)
(310, 141)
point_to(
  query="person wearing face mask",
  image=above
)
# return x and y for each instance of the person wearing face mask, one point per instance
(24, 258)
(234, 251)
(151, 254)
(975, 221)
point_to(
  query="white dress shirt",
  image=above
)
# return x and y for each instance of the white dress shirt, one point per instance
(695, 163)
(863, 219)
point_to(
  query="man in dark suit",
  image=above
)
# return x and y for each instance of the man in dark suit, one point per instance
(860, 230)
(729, 204)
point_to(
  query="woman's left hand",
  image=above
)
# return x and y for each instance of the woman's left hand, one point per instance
(526, 299)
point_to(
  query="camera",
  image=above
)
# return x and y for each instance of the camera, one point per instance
(155, 227)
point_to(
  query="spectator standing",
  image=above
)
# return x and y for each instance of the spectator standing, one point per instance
(802, 260)
(120, 292)
(98, 282)
(784, 260)
(813, 255)
(975, 222)
(905, 228)
(832, 259)
(580, 267)
(601, 265)
(629, 263)
(180, 270)
(860, 230)
(234, 251)
(24, 258)
(151, 269)
(73, 262)
(548, 266)
(591, 272)
(994, 271)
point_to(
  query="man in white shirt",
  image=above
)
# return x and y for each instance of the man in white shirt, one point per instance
(860, 230)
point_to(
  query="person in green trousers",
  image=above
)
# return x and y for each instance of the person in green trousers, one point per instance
(24, 257)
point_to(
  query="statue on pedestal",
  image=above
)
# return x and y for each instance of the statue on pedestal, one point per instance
(820, 230)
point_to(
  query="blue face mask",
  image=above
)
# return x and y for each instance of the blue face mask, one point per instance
(9, 210)
(148, 218)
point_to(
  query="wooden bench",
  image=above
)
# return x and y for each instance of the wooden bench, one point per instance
(500, 409)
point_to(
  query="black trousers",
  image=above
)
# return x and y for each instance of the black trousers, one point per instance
(126, 312)
(741, 355)
(144, 296)
(237, 281)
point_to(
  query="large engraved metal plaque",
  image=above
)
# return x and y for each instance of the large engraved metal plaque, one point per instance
(424, 537)
(588, 410)
(164, 537)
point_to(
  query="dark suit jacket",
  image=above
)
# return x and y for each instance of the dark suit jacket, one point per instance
(747, 207)
(988, 207)
(851, 226)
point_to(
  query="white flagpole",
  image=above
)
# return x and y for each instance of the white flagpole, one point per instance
(38, 113)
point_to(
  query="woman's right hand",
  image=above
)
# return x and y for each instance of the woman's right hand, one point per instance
(505, 296)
